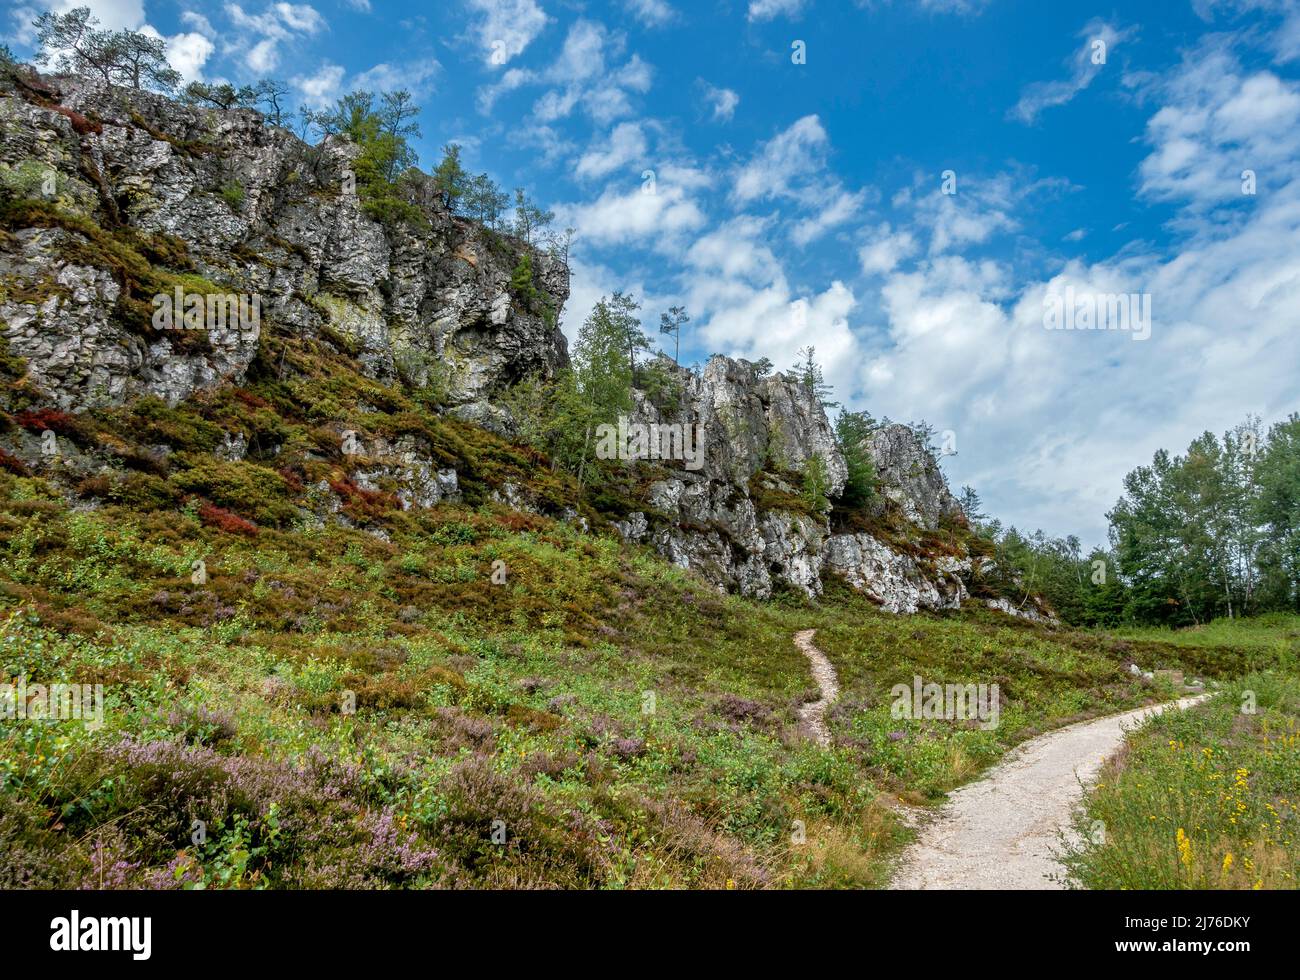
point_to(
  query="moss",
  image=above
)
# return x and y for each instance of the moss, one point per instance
(232, 193)
(126, 254)
(768, 497)
(253, 492)
(11, 365)
(143, 492)
(151, 420)
(191, 148)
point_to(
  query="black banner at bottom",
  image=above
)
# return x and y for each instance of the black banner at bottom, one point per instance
(140, 931)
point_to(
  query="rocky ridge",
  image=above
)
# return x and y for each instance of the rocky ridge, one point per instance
(225, 203)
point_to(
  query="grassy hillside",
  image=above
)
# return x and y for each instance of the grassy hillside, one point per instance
(1210, 797)
(356, 702)
(526, 703)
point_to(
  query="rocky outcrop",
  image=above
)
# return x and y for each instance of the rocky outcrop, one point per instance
(116, 199)
(741, 520)
(252, 210)
(910, 476)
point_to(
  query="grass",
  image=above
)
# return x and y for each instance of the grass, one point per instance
(1208, 797)
(359, 702)
(628, 726)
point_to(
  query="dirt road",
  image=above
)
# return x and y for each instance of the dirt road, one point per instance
(1001, 831)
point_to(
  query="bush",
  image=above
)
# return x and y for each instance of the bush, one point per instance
(254, 492)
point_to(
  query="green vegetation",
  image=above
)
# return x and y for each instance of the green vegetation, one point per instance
(671, 323)
(851, 432)
(1213, 533)
(523, 699)
(75, 44)
(382, 130)
(1208, 797)
(229, 702)
(233, 194)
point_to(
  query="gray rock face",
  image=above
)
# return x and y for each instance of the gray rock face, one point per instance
(268, 216)
(763, 431)
(405, 468)
(910, 476)
(253, 209)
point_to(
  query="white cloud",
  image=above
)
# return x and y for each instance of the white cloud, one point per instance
(784, 160)
(513, 78)
(626, 145)
(262, 34)
(505, 28)
(1048, 422)
(580, 77)
(1217, 122)
(839, 208)
(114, 15)
(1283, 38)
(651, 13)
(188, 53)
(416, 77)
(200, 23)
(320, 88)
(723, 101)
(637, 215)
(886, 250)
(760, 10)
(1086, 64)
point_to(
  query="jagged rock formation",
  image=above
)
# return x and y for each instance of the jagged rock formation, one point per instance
(739, 519)
(253, 211)
(126, 196)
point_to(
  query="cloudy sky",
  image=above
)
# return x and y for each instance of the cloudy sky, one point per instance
(904, 184)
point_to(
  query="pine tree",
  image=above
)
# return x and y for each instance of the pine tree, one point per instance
(450, 180)
(671, 323)
(809, 374)
(851, 432)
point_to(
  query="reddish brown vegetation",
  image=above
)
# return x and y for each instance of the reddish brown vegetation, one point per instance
(224, 520)
(51, 419)
(13, 464)
(79, 122)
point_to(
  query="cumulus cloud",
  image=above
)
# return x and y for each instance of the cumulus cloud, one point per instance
(885, 250)
(660, 212)
(114, 15)
(586, 75)
(1216, 122)
(414, 76)
(321, 87)
(783, 162)
(651, 13)
(276, 24)
(505, 28)
(760, 10)
(722, 101)
(625, 145)
(188, 53)
(1048, 421)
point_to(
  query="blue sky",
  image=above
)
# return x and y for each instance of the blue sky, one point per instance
(796, 204)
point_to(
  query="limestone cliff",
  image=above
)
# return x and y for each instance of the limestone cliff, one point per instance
(112, 198)
(251, 210)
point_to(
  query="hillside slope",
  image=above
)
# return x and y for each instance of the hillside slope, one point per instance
(352, 633)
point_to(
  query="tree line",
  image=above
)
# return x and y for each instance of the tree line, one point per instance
(1209, 533)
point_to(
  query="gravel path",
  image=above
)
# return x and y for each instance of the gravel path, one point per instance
(1000, 832)
(813, 714)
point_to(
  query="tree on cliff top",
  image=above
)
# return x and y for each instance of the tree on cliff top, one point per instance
(75, 44)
